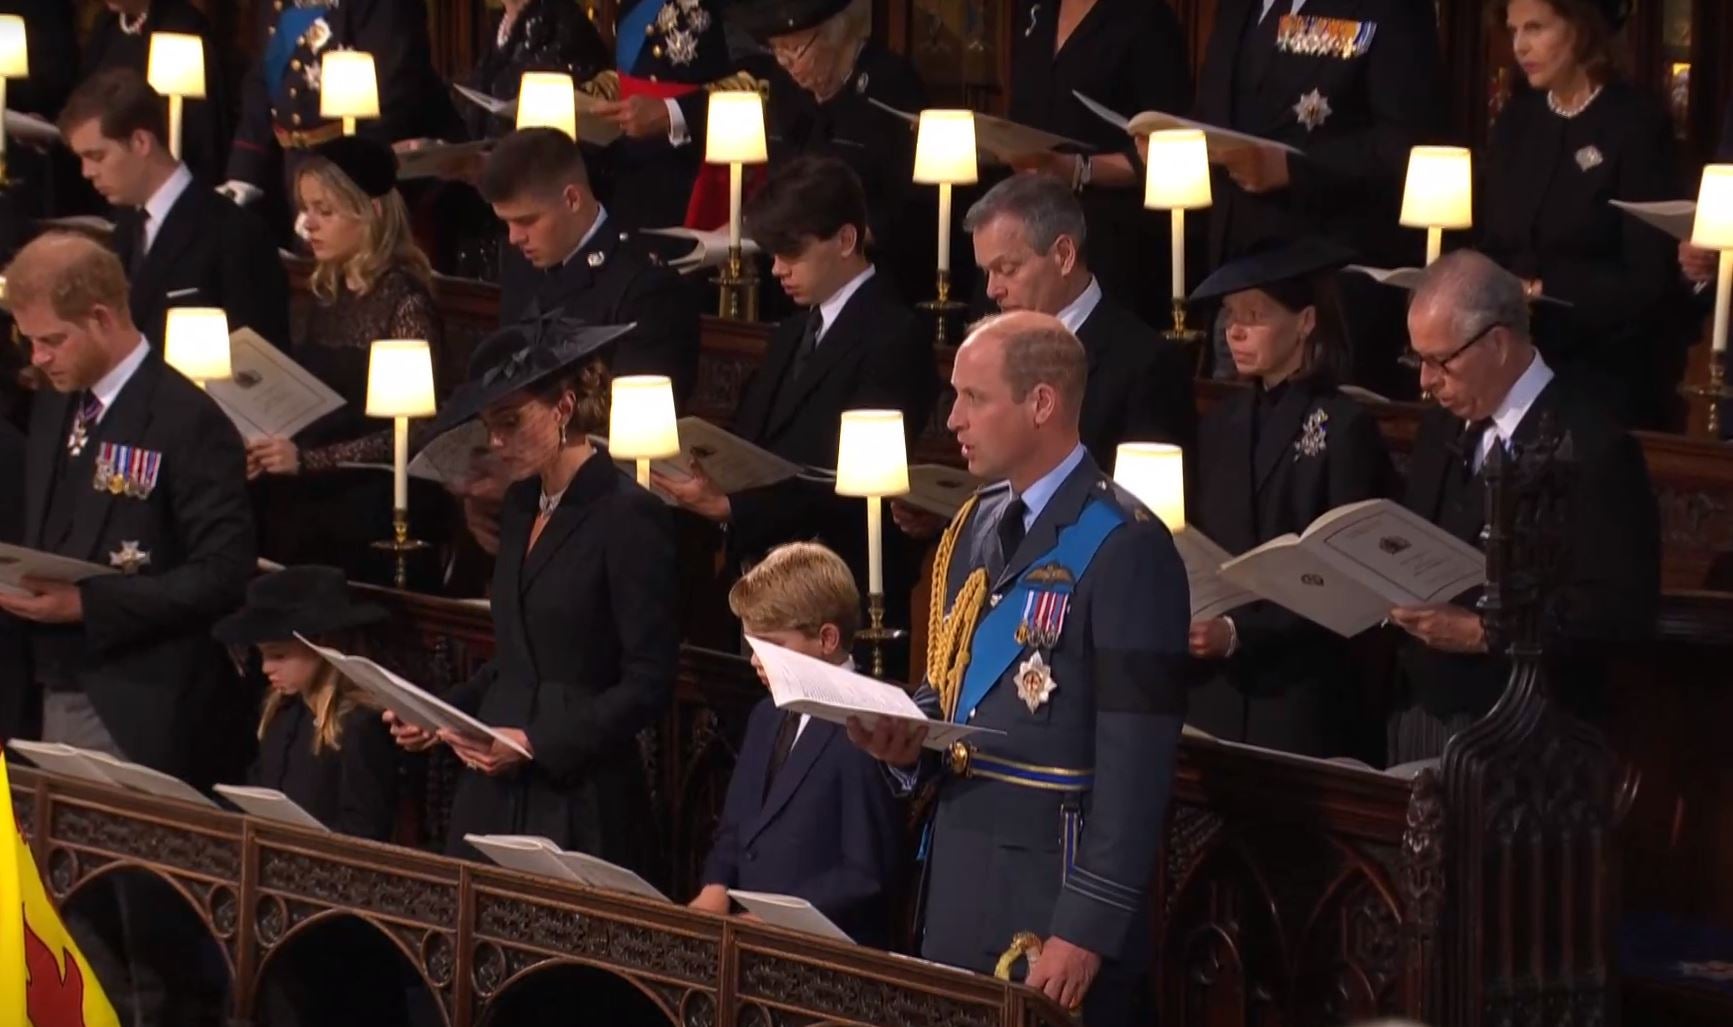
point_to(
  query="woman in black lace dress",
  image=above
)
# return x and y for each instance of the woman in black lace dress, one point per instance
(370, 282)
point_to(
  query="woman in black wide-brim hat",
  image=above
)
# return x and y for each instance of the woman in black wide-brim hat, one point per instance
(1272, 458)
(585, 639)
(321, 740)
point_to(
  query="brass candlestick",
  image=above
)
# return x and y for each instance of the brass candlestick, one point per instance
(942, 307)
(1179, 332)
(400, 545)
(1714, 392)
(877, 634)
(737, 285)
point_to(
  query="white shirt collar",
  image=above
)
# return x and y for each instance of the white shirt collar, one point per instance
(1078, 310)
(1293, 9)
(157, 208)
(107, 390)
(1036, 497)
(1516, 404)
(595, 226)
(831, 309)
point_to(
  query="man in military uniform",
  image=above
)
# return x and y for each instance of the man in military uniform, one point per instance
(281, 91)
(1065, 618)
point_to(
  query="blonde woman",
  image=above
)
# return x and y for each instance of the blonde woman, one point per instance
(370, 281)
(321, 742)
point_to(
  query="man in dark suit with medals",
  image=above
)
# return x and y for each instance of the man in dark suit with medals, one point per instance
(184, 245)
(856, 346)
(1065, 618)
(1469, 328)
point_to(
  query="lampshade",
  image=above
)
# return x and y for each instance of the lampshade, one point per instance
(196, 343)
(1178, 177)
(641, 418)
(1713, 229)
(177, 64)
(870, 456)
(734, 133)
(547, 99)
(14, 50)
(400, 379)
(1440, 189)
(945, 148)
(1154, 473)
(348, 87)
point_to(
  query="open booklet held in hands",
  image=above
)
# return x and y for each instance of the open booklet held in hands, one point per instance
(836, 694)
(733, 463)
(19, 562)
(410, 702)
(268, 394)
(533, 854)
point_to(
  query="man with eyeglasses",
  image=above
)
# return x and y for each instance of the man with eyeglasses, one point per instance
(1469, 327)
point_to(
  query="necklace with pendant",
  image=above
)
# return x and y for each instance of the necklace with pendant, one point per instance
(1553, 104)
(136, 24)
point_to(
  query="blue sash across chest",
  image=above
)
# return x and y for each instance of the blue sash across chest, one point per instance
(996, 644)
(629, 33)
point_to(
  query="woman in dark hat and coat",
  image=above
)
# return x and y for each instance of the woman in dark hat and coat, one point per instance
(1578, 136)
(585, 634)
(1271, 459)
(321, 740)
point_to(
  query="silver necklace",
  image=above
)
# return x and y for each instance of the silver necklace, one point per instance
(1553, 104)
(137, 24)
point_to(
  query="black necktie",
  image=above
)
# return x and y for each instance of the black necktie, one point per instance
(139, 243)
(1011, 529)
(808, 344)
(1468, 444)
(785, 735)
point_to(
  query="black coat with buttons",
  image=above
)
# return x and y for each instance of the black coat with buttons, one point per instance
(413, 100)
(351, 789)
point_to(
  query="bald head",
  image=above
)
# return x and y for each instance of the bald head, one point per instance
(68, 296)
(1019, 379)
(1468, 322)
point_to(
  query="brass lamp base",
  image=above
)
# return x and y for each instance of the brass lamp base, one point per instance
(737, 288)
(943, 308)
(1714, 392)
(877, 634)
(1179, 333)
(400, 545)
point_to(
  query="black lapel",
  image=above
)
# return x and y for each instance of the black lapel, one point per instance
(578, 274)
(514, 533)
(595, 477)
(1547, 401)
(1239, 502)
(1215, 82)
(848, 334)
(1063, 509)
(1097, 332)
(1093, 21)
(125, 424)
(807, 748)
(182, 226)
(50, 423)
(1276, 437)
(1434, 457)
(125, 236)
(754, 414)
(1537, 151)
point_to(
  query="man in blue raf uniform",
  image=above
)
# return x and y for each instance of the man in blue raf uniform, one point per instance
(1065, 617)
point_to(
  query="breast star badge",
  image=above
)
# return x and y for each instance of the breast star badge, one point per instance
(129, 558)
(1034, 682)
(1589, 158)
(1313, 110)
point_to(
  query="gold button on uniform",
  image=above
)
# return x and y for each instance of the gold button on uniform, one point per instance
(295, 65)
(650, 30)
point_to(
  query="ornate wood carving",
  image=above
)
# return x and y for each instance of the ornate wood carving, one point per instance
(769, 980)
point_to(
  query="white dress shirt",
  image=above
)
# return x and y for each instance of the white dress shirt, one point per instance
(831, 309)
(158, 206)
(1514, 407)
(1078, 310)
(107, 389)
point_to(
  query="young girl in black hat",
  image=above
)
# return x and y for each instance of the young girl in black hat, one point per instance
(1272, 458)
(321, 740)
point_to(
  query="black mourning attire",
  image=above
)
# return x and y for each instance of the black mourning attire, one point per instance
(20, 705)
(1139, 387)
(117, 42)
(350, 789)
(547, 35)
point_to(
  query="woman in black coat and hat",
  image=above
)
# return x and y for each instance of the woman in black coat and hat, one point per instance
(585, 635)
(321, 740)
(1271, 459)
(1577, 137)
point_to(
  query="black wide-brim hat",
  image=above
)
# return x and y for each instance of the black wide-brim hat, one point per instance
(307, 600)
(1282, 262)
(1615, 11)
(762, 19)
(519, 356)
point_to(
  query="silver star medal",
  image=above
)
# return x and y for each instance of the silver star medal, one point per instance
(1589, 157)
(596, 258)
(1034, 682)
(1313, 110)
(129, 558)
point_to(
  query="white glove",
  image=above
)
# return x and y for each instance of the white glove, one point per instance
(242, 193)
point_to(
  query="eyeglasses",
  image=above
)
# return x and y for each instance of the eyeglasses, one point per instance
(1415, 361)
(789, 58)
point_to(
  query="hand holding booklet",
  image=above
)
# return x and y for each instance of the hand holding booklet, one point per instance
(415, 705)
(1146, 122)
(18, 563)
(269, 395)
(1000, 139)
(835, 695)
(1211, 596)
(733, 463)
(533, 854)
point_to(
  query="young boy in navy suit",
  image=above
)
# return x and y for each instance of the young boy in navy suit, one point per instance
(807, 813)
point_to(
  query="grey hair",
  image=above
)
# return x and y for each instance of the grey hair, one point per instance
(1477, 293)
(1042, 204)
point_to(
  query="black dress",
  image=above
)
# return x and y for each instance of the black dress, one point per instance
(1270, 463)
(329, 513)
(586, 647)
(351, 789)
(548, 35)
(1544, 213)
(1130, 56)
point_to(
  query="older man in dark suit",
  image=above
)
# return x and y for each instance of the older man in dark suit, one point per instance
(1468, 325)
(1066, 617)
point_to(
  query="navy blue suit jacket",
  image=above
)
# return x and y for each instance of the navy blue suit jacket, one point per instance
(830, 831)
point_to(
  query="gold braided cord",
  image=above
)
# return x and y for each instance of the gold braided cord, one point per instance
(606, 86)
(949, 634)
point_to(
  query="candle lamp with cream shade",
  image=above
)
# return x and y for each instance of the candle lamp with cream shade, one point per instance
(1178, 181)
(1713, 230)
(348, 87)
(14, 63)
(641, 423)
(734, 135)
(1438, 194)
(1154, 472)
(196, 343)
(177, 71)
(945, 156)
(872, 462)
(548, 99)
(400, 386)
